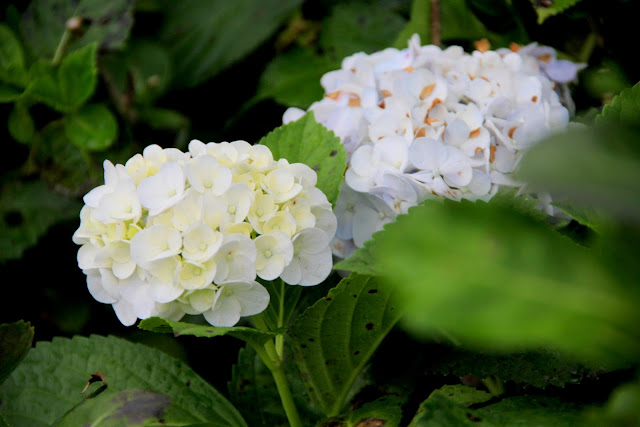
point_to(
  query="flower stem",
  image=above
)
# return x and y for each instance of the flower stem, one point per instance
(62, 47)
(274, 364)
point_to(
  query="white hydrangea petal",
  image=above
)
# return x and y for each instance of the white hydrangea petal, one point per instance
(154, 243)
(162, 190)
(97, 291)
(125, 312)
(315, 267)
(226, 309)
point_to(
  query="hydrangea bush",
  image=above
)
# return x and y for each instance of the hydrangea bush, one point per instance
(171, 233)
(425, 123)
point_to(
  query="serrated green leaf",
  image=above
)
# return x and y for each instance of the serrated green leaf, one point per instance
(92, 128)
(105, 23)
(293, 79)
(12, 68)
(359, 27)
(207, 37)
(333, 339)
(539, 368)
(250, 335)
(624, 108)
(494, 278)
(27, 210)
(67, 87)
(604, 177)
(306, 141)
(129, 407)
(419, 23)
(9, 93)
(20, 124)
(362, 261)
(449, 406)
(384, 411)
(554, 8)
(585, 215)
(15, 343)
(47, 384)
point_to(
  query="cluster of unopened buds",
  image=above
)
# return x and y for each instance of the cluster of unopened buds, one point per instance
(424, 122)
(173, 233)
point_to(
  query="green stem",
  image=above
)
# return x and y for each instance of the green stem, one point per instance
(588, 47)
(274, 365)
(62, 47)
(280, 337)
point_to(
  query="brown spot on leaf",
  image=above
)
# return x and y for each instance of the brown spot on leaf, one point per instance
(373, 291)
(333, 153)
(371, 422)
(98, 376)
(369, 326)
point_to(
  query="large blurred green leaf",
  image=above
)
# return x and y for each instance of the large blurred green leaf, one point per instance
(12, 69)
(105, 22)
(9, 93)
(605, 176)
(495, 278)
(126, 408)
(15, 342)
(250, 335)
(293, 79)
(449, 407)
(207, 37)
(67, 86)
(48, 382)
(334, 339)
(93, 128)
(306, 141)
(359, 27)
(622, 408)
(27, 210)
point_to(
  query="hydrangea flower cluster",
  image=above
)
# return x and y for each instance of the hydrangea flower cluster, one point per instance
(424, 122)
(172, 233)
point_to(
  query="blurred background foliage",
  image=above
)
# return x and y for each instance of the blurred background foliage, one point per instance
(124, 74)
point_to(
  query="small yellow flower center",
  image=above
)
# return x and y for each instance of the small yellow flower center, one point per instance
(207, 184)
(203, 246)
(231, 210)
(267, 253)
(259, 212)
(197, 271)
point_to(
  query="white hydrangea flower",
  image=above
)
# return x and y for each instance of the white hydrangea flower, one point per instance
(171, 233)
(425, 122)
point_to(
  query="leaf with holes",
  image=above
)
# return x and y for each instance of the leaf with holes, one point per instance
(106, 23)
(249, 335)
(459, 405)
(27, 210)
(129, 407)
(334, 338)
(306, 141)
(383, 411)
(47, 384)
(15, 342)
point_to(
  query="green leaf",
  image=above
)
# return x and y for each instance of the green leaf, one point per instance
(585, 215)
(207, 37)
(162, 118)
(624, 108)
(555, 7)
(47, 384)
(105, 23)
(419, 23)
(27, 210)
(459, 23)
(129, 407)
(333, 339)
(15, 343)
(449, 406)
(253, 391)
(622, 408)
(384, 411)
(67, 87)
(249, 335)
(539, 368)
(93, 128)
(362, 261)
(67, 168)
(497, 279)
(12, 68)
(283, 302)
(293, 79)
(359, 27)
(9, 93)
(604, 177)
(306, 141)
(21, 126)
